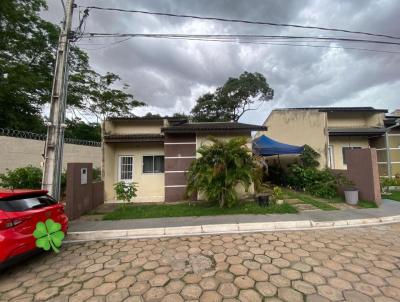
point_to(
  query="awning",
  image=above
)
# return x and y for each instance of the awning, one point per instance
(266, 146)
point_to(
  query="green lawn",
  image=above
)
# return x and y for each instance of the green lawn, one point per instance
(197, 209)
(323, 205)
(394, 196)
(366, 204)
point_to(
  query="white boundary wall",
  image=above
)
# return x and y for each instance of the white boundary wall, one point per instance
(18, 152)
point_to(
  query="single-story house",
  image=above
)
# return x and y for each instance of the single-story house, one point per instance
(156, 153)
(331, 131)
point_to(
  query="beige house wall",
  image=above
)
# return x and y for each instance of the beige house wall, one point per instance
(20, 152)
(133, 127)
(338, 143)
(299, 127)
(150, 185)
(354, 120)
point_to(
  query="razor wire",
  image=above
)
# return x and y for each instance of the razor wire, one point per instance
(42, 137)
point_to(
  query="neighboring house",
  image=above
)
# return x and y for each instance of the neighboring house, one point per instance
(156, 153)
(392, 140)
(330, 131)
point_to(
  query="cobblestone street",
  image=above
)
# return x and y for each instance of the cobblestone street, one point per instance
(356, 264)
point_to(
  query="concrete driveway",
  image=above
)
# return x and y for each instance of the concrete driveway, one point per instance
(355, 264)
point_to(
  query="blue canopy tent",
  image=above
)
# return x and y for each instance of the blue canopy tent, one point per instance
(266, 146)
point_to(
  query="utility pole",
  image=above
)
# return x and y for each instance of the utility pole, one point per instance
(53, 153)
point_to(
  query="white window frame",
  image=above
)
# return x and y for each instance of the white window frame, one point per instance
(120, 166)
(331, 157)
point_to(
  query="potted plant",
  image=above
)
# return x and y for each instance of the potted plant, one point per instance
(278, 195)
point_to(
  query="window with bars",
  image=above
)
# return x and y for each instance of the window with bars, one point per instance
(126, 168)
(153, 164)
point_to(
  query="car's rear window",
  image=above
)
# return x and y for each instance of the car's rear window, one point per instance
(21, 204)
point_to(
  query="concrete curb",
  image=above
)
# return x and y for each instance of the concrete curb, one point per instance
(226, 229)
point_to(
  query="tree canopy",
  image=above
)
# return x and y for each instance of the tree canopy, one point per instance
(27, 57)
(233, 99)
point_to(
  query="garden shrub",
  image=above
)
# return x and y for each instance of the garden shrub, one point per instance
(22, 178)
(221, 167)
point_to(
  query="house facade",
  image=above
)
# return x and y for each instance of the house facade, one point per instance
(331, 131)
(155, 153)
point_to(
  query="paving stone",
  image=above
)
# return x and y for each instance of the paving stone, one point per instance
(372, 279)
(266, 289)
(244, 282)
(47, 294)
(104, 289)
(270, 269)
(172, 298)
(209, 283)
(210, 296)
(355, 296)
(238, 269)
(314, 278)
(289, 294)
(316, 298)
(339, 283)
(81, 295)
(290, 274)
(390, 291)
(159, 280)
(367, 289)
(279, 281)
(174, 286)
(117, 295)
(249, 295)
(258, 275)
(303, 287)
(301, 267)
(330, 292)
(191, 291)
(228, 290)
(154, 294)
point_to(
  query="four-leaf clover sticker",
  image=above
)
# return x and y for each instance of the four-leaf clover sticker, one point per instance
(48, 235)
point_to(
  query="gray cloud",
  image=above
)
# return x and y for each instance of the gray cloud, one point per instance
(169, 75)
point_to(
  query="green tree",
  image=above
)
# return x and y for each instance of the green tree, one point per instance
(221, 167)
(78, 129)
(27, 56)
(125, 191)
(233, 99)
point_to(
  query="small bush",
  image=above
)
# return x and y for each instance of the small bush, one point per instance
(22, 178)
(125, 191)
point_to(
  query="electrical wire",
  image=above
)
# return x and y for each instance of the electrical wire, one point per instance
(260, 42)
(238, 36)
(244, 21)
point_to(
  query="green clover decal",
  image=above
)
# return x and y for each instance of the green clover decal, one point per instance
(48, 235)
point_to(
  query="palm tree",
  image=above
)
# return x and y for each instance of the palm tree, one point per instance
(221, 167)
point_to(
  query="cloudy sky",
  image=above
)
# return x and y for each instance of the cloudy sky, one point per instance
(169, 75)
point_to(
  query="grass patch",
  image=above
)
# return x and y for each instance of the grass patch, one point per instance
(366, 204)
(323, 205)
(394, 196)
(196, 209)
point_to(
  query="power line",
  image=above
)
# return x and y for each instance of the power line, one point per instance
(259, 42)
(244, 21)
(238, 36)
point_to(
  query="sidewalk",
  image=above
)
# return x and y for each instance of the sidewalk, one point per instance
(157, 227)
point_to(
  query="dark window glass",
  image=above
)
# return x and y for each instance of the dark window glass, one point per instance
(148, 164)
(25, 204)
(153, 164)
(158, 164)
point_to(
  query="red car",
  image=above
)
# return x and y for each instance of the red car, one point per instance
(20, 211)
